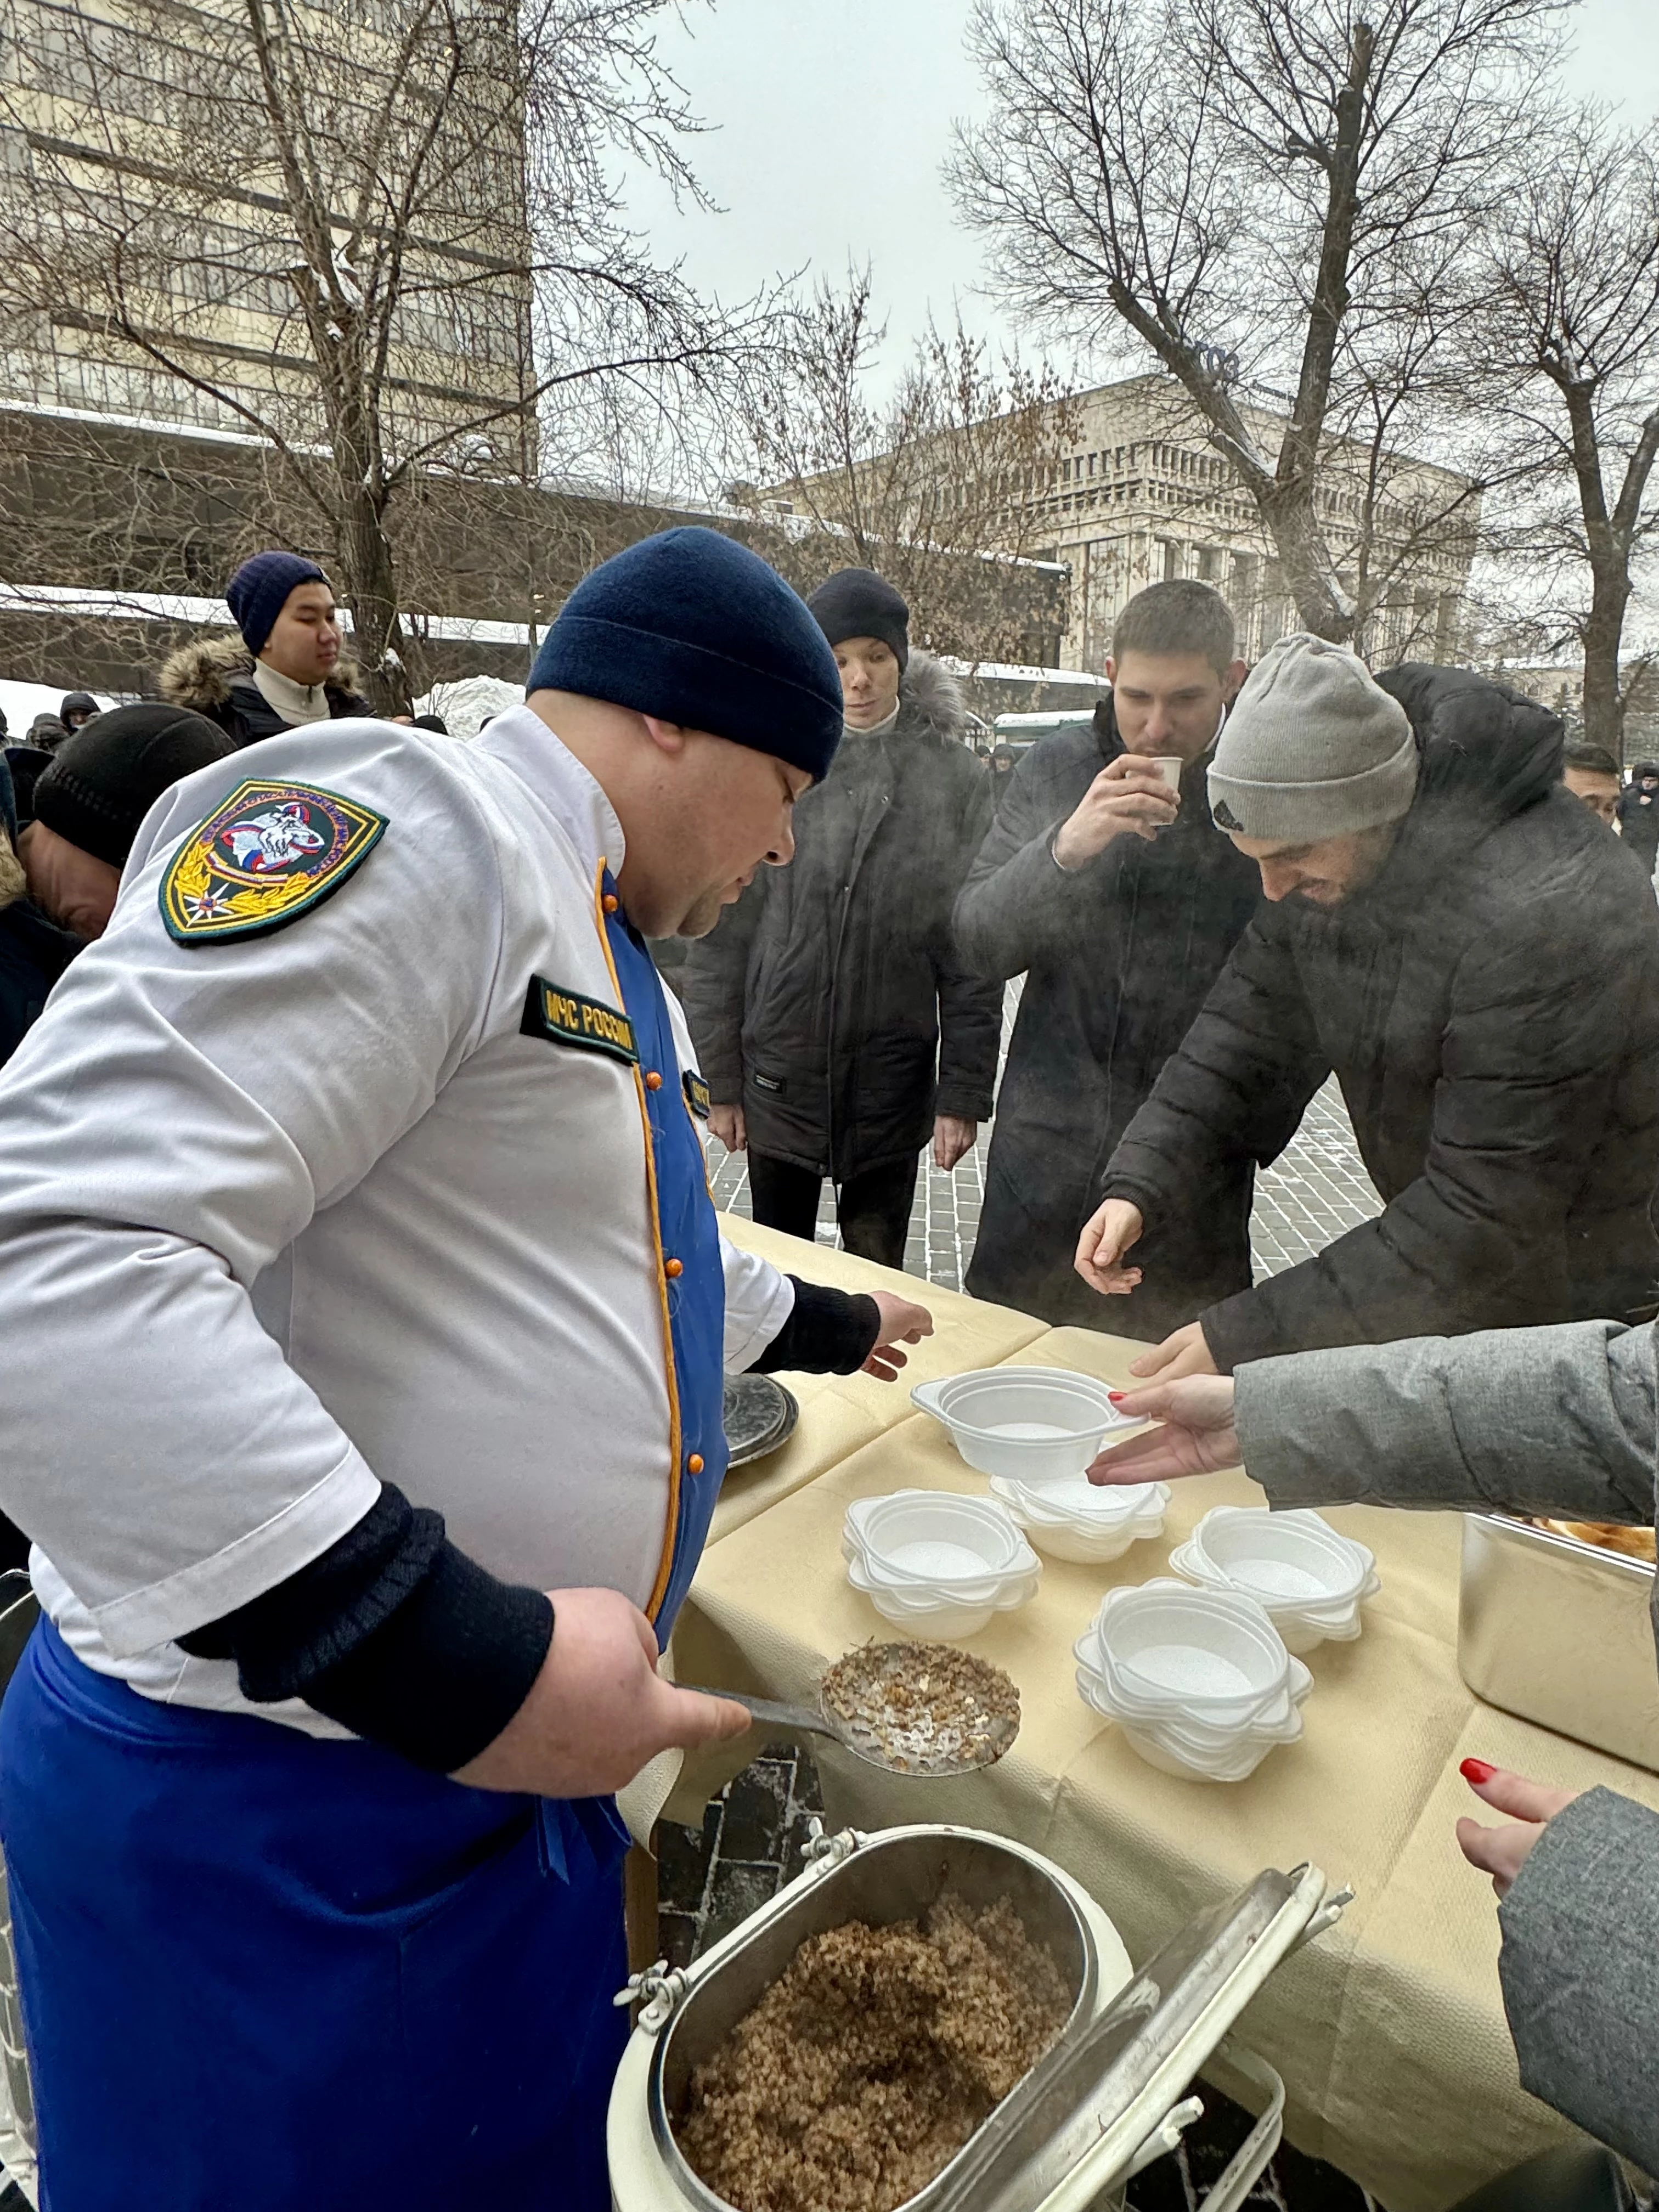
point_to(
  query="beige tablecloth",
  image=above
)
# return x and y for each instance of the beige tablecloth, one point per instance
(1390, 2032)
(840, 1412)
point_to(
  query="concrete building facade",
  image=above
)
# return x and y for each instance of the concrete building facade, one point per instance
(1143, 497)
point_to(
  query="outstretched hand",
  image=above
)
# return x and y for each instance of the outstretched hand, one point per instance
(902, 1322)
(1502, 1852)
(1197, 1436)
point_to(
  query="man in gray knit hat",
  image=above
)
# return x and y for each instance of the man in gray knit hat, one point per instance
(1449, 932)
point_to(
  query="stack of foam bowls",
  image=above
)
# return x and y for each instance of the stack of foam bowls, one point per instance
(1199, 1681)
(1070, 1519)
(1310, 1580)
(936, 1565)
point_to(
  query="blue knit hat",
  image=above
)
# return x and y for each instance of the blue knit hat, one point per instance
(256, 592)
(694, 628)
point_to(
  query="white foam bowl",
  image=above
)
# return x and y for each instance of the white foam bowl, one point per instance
(936, 1537)
(936, 1564)
(1067, 1525)
(1031, 1423)
(1189, 1747)
(1310, 1580)
(930, 1616)
(1204, 1655)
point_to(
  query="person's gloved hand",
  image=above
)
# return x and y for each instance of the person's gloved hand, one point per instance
(1197, 1436)
(1502, 1852)
(598, 1710)
(902, 1322)
(1108, 1233)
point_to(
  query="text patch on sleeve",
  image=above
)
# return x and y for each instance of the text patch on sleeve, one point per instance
(564, 1016)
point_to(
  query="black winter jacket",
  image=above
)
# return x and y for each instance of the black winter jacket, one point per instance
(1489, 1003)
(1638, 822)
(216, 679)
(34, 954)
(1118, 957)
(830, 1001)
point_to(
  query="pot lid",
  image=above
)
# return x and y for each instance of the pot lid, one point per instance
(1077, 2119)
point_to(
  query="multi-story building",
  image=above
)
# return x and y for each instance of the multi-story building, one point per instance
(1131, 492)
(141, 171)
(162, 222)
(1142, 495)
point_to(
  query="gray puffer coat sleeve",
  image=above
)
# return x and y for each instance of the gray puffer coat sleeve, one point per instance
(1556, 1420)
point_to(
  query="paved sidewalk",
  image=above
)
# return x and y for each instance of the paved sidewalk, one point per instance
(1315, 1190)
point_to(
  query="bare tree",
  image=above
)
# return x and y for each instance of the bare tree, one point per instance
(1564, 351)
(931, 486)
(383, 242)
(1240, 187)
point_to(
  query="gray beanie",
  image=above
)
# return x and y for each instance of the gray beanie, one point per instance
(1312, 749)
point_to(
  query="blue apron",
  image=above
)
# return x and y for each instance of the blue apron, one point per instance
(690, 1235)
(262, 1970)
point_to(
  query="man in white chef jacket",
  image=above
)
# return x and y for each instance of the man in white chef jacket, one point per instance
(363, 1314)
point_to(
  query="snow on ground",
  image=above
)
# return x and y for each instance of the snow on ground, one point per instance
(470, 702)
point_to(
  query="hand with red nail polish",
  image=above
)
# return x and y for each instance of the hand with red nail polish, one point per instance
(1502, 1852)
(1197, 1436)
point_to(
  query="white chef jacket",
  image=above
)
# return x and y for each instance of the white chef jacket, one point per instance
(288, 1214)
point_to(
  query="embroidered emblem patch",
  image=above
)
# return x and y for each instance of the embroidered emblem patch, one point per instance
(696, 1094)
(566, 1018)
(271, 852)
(1224, 817)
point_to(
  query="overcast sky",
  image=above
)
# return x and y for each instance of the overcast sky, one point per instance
(830, 119)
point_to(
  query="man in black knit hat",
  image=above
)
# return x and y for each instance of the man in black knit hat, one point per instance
(88, 803)
(838, 1030)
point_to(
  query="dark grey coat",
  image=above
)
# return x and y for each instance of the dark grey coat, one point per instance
(1118, 956)
(1490, 1004)
(830, 1001)
(1552, 1421)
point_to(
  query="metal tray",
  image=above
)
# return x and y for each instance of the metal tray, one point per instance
(759, 1416)
(1560, 1632)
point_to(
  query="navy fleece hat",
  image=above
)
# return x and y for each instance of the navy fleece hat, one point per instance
(256, 592)
(694, 628)
(858, 603)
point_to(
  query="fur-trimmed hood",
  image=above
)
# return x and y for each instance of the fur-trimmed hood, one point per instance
(931, 703)
(200, 675)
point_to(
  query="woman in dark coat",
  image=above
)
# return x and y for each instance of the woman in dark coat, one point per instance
(834, 1026)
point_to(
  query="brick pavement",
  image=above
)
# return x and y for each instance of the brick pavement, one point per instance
(712, 1877)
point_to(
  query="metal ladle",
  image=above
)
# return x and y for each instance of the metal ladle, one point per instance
(804, 1720)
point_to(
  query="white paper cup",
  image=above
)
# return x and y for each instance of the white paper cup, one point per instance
(1169, 766)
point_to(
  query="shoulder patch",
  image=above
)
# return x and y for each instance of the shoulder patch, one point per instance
(696, 1094)
(564, 1016)
(271, 853)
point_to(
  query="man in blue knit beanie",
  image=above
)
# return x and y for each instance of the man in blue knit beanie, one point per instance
(349, 1630)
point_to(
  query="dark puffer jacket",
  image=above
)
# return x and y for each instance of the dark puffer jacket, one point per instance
(830, 1001)
(217, 678)
(1118, 956)
(1489, 1003)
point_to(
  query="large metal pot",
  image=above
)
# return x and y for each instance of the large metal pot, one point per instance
(1108, 2098)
